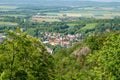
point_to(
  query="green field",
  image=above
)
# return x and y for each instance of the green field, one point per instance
(14, 15)
(8, 23)
(71, 24)
(89, 26)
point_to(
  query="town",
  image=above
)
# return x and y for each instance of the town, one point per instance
(59, 39)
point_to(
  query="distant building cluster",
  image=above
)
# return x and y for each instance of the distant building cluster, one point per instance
(59, 39)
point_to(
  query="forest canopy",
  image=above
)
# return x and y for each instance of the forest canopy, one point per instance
(23, 57)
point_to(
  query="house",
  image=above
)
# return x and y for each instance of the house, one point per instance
(45, 42)
(55, 42)
(49, 50)
(65, 43)
(2, 38)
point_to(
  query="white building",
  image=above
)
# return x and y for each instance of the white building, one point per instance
(2, 38)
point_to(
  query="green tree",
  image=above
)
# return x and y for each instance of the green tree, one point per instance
(23, 57)
(105, 64)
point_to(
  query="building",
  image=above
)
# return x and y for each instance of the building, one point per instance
(2, 38)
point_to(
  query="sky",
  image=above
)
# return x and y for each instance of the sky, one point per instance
(105, 0)
(95, 0)
(89, 0)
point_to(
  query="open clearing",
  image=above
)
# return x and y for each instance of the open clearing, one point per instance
(89, 26)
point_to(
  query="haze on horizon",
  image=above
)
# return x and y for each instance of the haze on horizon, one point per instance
(2, 1)
(61, 2)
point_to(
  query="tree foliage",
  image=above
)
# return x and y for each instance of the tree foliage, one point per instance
(23, 57)
(102, 64)
(106, 62)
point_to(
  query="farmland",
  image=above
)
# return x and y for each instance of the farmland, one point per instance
(106, 12)
(8, 23)
(59, 19)
(58, 14)
(76, 12)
